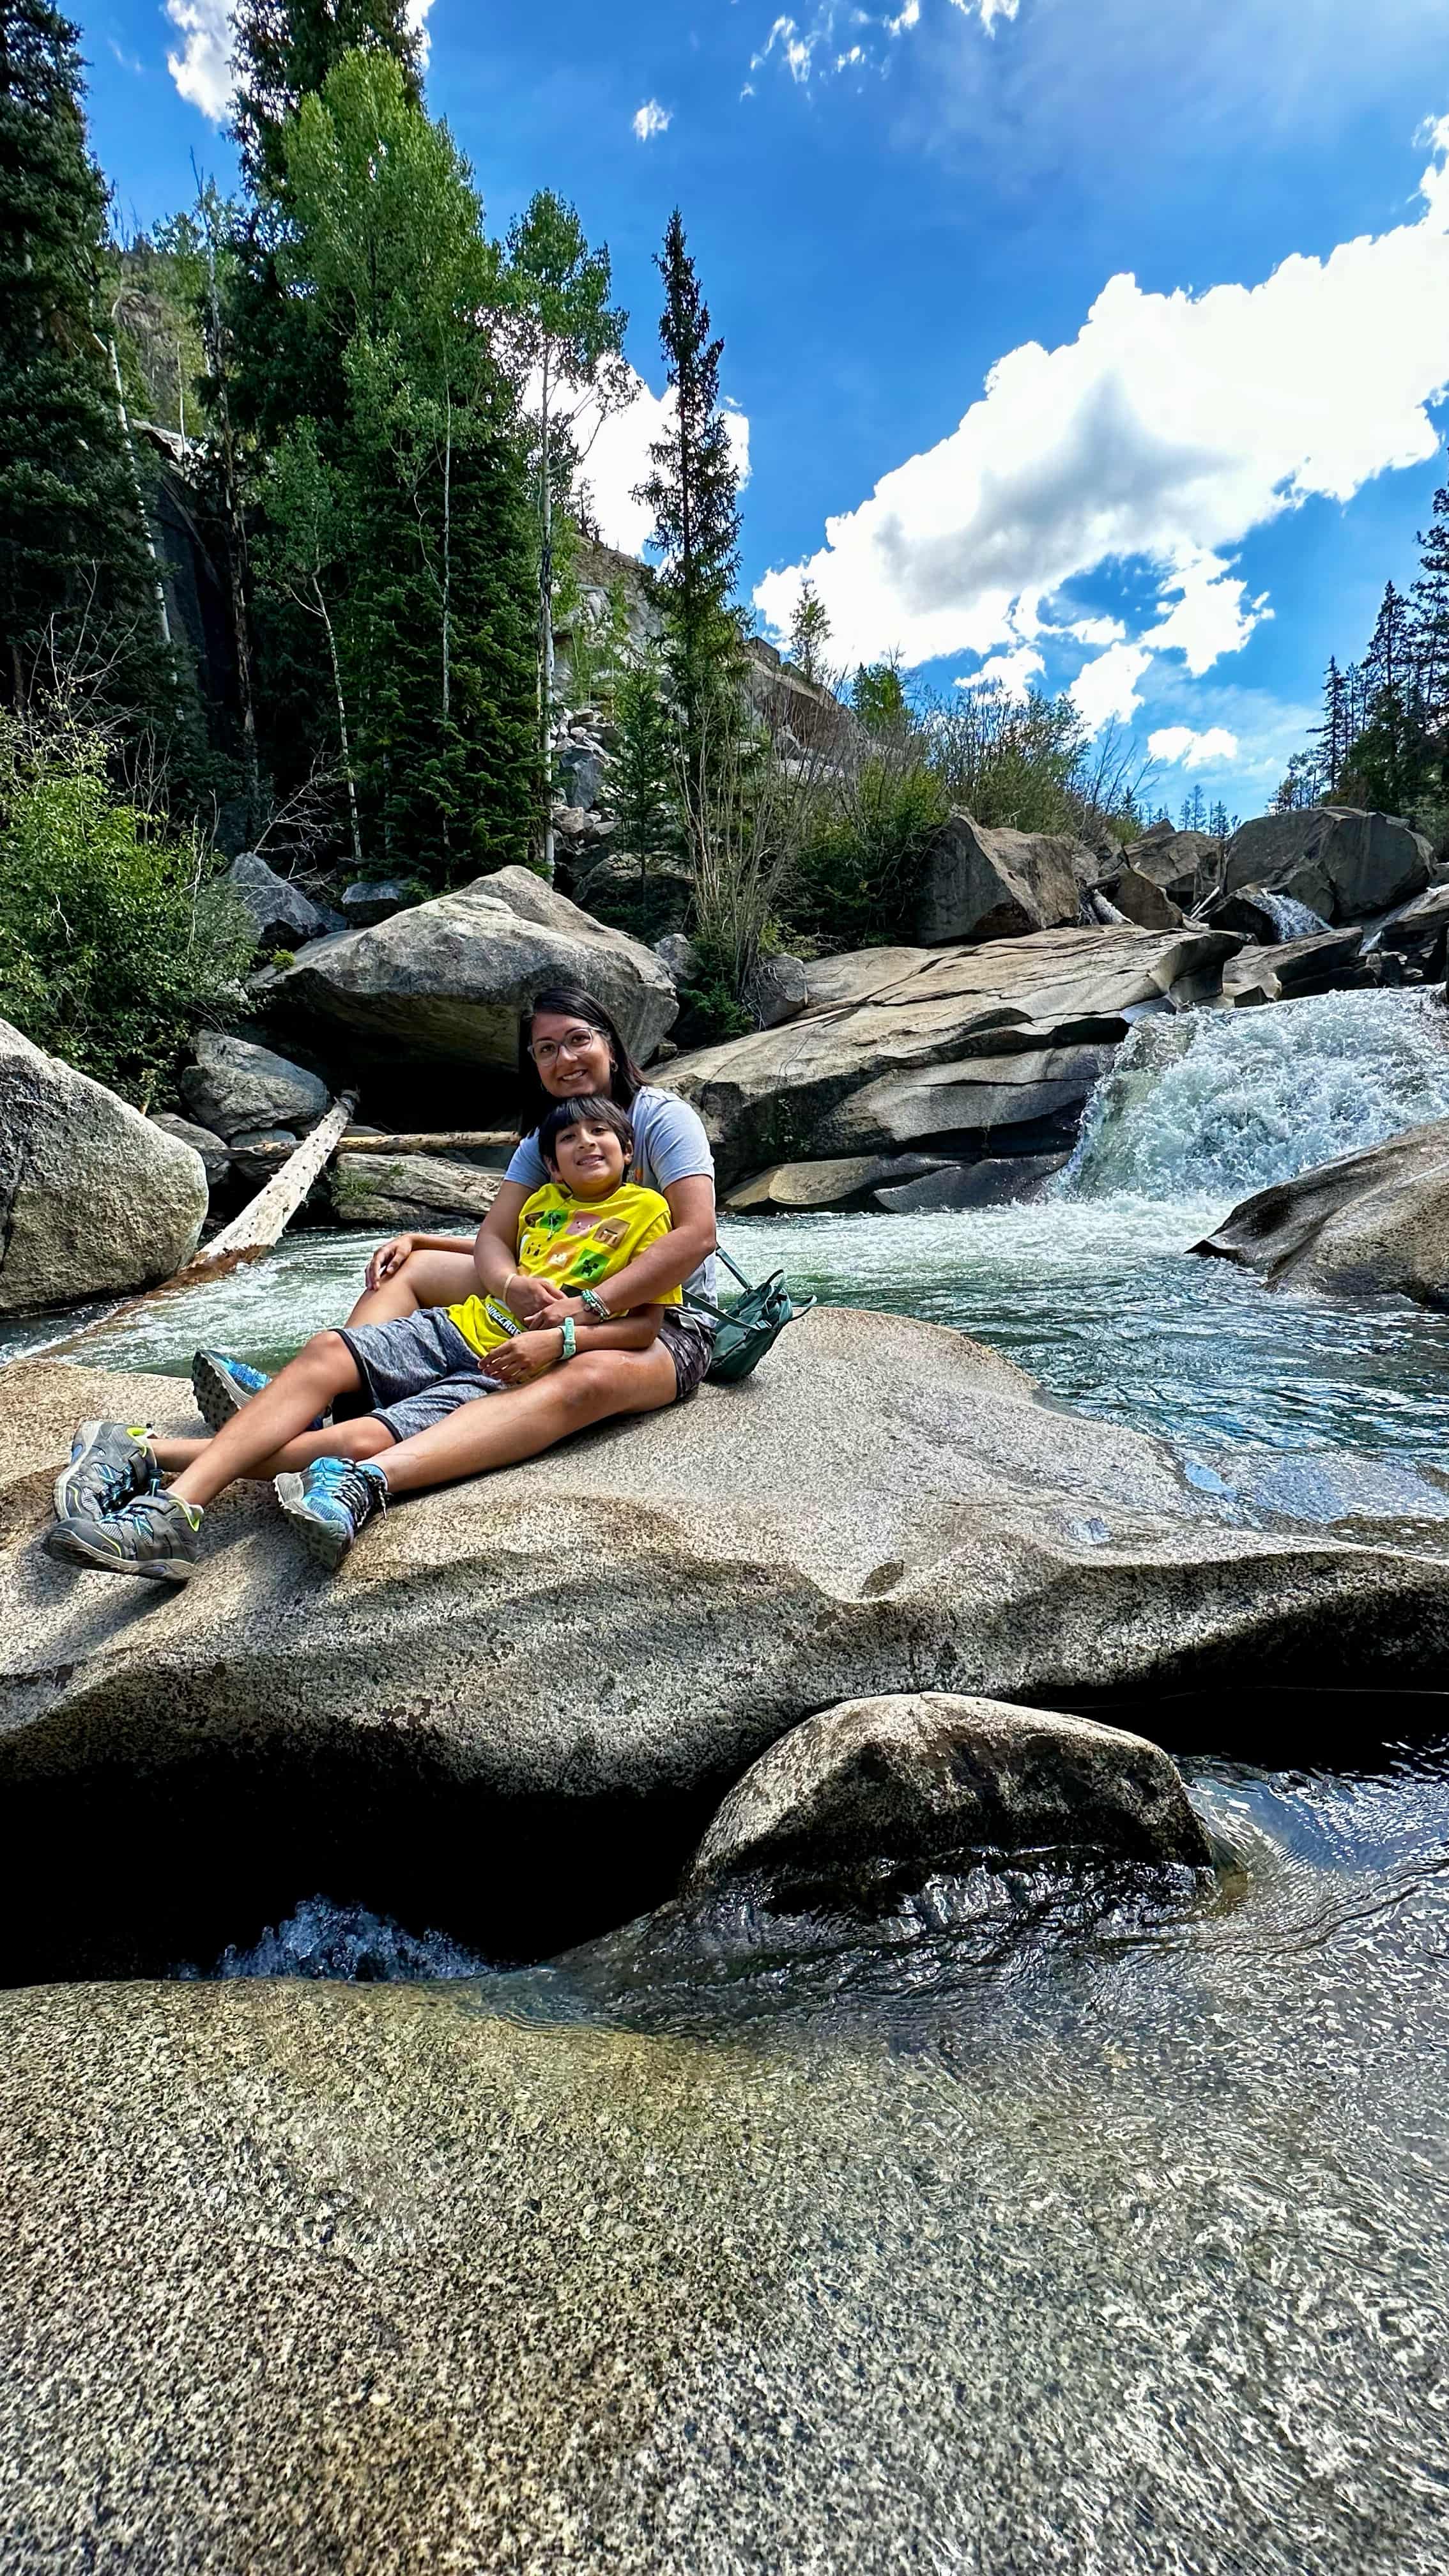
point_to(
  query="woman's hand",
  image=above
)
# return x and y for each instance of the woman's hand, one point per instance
(389, 1258)
(534, 1301)
(526, 1357)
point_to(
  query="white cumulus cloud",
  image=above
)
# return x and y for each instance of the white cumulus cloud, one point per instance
(618, 458)
(651, 119)
(1167, 430)
(202, 67)
(1180, 747)
(1014, 672)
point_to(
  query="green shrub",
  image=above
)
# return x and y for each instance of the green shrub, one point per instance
(855, 876)
(282, 958)
(117, 941)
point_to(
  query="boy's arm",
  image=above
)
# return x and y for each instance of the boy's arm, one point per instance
(530, 1353)
(666, 1263)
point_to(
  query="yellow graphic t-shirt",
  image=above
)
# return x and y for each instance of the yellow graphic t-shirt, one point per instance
(574, 1243)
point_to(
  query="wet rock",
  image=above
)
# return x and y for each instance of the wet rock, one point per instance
(447, 981)
(1369, 1225)
(786, 1095)
(213, 1149)
(1344, 864)
(778, 991)
(846, 1181)
(1283, 973)
(426, 1192)
(1416, 932)
(94, 1198)
(1273, 919)
(996, 1181)
(967, 1102)
(280, 914)
(910, 1779)
(979, 884)
(236, 1089)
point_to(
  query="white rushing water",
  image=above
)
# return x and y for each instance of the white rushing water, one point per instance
(1217, 1104)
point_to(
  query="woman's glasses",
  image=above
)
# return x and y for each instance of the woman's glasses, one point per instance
(575, 1042)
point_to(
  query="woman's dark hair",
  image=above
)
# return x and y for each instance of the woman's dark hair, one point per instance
(566, 1002)
(588, 1107)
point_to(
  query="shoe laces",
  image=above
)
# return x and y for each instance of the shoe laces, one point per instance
(354, 1483)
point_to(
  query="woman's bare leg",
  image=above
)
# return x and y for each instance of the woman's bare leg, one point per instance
(364, 1438)
(425, 1279)
(283, 1410)
(499, 1430)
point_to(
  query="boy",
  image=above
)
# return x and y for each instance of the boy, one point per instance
(587, 1222)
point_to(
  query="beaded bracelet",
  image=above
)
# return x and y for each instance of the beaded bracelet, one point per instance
(595, 1305)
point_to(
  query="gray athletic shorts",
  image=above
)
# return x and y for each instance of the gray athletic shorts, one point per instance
(418, 1369)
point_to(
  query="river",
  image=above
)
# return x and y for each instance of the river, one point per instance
(1104, 2234)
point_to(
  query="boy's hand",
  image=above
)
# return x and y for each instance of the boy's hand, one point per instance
(389, 1257)
(534, 1301)
(525, 1357)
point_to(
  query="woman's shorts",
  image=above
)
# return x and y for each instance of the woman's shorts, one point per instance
(418, 1369)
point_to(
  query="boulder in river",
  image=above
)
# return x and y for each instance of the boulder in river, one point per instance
(997, 1180)
(860, 1790)
(449, 979)
(1368, 1225)
(1288, 970)
(238, 1089)
(974, 883)
(846, 1181)
(883, 1506)
(214, 1151)
(1344, 864)
(280, 914)
(1417, 933)
(1138, 897)
(880, 1018)
(94, 1198)
(427, 1193)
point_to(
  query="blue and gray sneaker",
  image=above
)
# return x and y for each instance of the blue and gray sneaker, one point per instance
(222, 1386)
(330, 1502)
(155, 1535)
(109, 1462)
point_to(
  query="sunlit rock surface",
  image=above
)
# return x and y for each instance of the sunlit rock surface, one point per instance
(1370, 1225)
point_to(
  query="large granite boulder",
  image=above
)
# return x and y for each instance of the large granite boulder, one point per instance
(1285, 972)
(239, 1089)
(1183, 864)
(543, 1682)
(214, 1151)
(916, 1777)
(449, 979)
(846, 1181)
(1138, 897)
(424, 1193)
(973, 883)
(280, 914)
(94, 1198)
(946, 1047)
(1344, 864)
(1417, 933)
(1369, 1225)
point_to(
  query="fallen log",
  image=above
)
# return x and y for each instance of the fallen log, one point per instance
(250, 1236)
(359, 1141)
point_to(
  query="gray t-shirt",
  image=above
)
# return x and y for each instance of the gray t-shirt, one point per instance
(669, 1145)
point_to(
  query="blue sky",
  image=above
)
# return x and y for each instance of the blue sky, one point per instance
(917, 229)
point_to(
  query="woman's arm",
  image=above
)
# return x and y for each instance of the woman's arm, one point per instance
(664, 1264)
(530, 1353)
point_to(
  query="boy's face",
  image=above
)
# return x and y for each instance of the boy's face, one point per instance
(588, 1159)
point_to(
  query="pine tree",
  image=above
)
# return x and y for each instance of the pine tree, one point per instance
(1193, 817)
(809, 632)
(693, 492)
(1430, 615)
(643, 780)
(1335, 734)
(570, 341)
(1389, 760)
(284, 50)
(78, 577)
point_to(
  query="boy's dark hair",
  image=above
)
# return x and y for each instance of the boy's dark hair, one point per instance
(566, 1001)
(589, 1108)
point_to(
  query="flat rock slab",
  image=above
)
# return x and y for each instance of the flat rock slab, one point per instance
(1374, 1224)
(916, 1776)
(883, 1506)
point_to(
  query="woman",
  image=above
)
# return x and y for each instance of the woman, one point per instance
(568, 1046)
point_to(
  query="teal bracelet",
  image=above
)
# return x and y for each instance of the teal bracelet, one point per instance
(595, 1306)
(570, 1337)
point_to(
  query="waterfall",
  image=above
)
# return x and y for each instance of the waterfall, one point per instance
(1217, 1104)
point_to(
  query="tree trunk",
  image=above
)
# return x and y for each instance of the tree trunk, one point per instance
(545, 610)
(341, 726)
(447, 547)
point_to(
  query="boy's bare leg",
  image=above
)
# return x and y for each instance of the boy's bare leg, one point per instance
(500, 1430)
(364, 1438)
(278, 1415)
(425, 1279)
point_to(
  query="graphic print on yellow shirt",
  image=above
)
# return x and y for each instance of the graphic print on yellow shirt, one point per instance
(574, 1243)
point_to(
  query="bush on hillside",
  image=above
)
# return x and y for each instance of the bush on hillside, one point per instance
(116, 940)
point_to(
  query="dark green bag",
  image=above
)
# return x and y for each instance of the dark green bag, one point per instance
(745, 1330)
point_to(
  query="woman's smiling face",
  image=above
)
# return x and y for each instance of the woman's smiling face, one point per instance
(570, 1056)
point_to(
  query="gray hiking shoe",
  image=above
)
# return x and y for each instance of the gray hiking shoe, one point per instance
(154, 1535)
(330, 1502)
(222, 1386)
(109, 1463)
